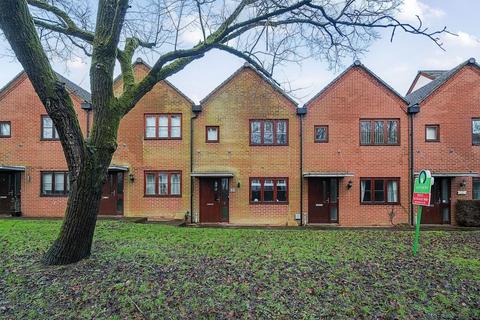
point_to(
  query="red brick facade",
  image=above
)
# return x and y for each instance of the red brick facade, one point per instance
(296, 170)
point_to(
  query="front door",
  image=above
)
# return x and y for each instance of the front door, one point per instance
(112, 194)
(439, 210)
(9, 192)
(214, 200)
(322, 200)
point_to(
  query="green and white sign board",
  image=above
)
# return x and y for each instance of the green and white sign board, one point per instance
(422, 192)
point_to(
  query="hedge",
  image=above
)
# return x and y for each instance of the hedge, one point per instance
(468, 213)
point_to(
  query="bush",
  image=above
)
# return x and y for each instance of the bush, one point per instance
(468, 213)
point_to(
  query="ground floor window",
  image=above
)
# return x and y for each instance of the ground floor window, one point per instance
(476, 189)
(379, 190)
(163, 183)
(268, 190)
(55, 183)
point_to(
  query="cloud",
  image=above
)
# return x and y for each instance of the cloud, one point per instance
(410, 9)
(462, 39)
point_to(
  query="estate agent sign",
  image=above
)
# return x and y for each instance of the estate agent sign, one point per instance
(421, 197)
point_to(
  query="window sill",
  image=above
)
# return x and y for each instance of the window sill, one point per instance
(158, 196)
(54, 195)
(162, 138)
(269, 203)
(380, 203)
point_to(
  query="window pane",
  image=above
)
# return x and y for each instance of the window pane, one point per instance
(281, 132)
(432, 133)
(59, 182)
(379, 191)
(47, 183)
(268, 190)
(150, 184)
(268, 132)
(47, 128)
(476, 189)
(163, 184)
(176, 126)
(4, 129)
(321, 134)
(392, 191)
(366, 193)
(281, 190)
(476, 131)
(55, 133)
(392, 129)
(255, 188)
(212, 134)
(379, 132)
(175, 184)
(163, 126)
(365, 132)
(150, 127)
(255, 137)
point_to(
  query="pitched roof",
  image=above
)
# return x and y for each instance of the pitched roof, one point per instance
(433, 74)
(140, 61)
(71, 86)
(424, 92)
(247, 65)
(356, 64)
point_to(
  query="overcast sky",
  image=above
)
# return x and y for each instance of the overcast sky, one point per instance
(397, 62)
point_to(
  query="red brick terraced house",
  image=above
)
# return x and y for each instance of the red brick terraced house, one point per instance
(355, 153)
(246, 153)
(33, 171)
(445, 114)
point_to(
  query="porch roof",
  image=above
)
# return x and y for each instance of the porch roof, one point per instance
(12, 168)
(212, 174)
(327, 174)
(117, 168)
(453, 174)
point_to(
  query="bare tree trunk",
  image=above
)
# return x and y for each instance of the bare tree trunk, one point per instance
(75, 239)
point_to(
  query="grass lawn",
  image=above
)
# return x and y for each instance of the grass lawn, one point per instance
(149, 271)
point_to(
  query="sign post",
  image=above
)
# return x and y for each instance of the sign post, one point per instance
(421, 198)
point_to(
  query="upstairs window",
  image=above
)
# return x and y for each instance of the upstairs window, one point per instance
(268, 190)
(379, 190)
(432, 133)
(49, 132)
(269, 132)
(5, 129)
(321, 134)
(379, 132)
(55, 183)
(212, 134)
(163, 126)
(476, 131)
(163, 183)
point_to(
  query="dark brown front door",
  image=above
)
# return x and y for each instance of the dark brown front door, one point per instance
(112, 194)
(322, 200)
(9, 192)
(214, 200)
(439, 210)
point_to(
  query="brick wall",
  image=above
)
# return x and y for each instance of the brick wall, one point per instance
(452, 107)
(21, 105)
(244, 97)
(354, 96)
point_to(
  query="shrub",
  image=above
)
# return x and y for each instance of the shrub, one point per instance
(468, 213)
